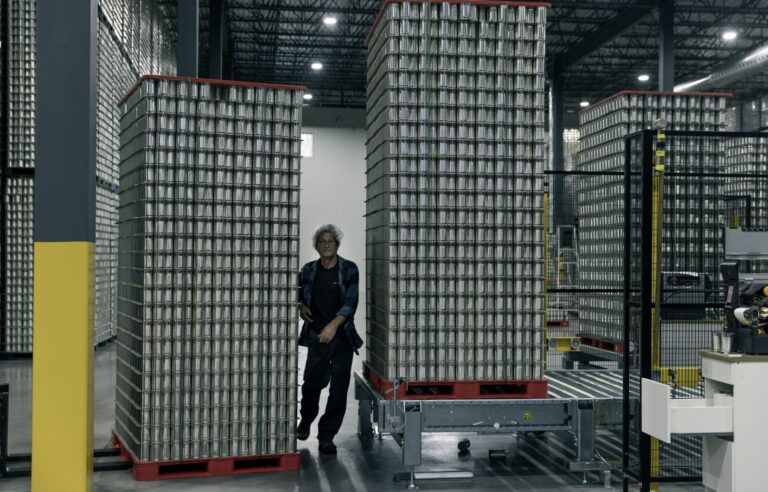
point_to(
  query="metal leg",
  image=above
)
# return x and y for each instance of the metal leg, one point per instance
(412, 485)
(412, 439)
(364, 423)
(584, 432)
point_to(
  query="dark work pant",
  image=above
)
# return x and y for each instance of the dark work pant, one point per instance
(326, 362)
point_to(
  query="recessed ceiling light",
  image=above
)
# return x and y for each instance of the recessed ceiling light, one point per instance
(307, 96)
(317, 66)
(730, 35)
(584, 104)
(329, 20)
(643, 77)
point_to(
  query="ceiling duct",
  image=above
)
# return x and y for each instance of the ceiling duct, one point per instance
(755, 62)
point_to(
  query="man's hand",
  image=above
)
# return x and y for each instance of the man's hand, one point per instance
(305, 313)
(328, 332)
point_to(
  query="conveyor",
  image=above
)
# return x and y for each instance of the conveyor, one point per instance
(579, 402)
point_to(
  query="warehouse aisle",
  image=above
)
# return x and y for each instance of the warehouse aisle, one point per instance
(356, 468)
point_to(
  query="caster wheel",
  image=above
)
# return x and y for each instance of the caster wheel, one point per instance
(464, 445)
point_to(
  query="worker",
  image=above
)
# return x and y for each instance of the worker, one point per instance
(328, 297)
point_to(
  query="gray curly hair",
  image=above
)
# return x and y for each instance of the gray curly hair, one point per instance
(335, 231)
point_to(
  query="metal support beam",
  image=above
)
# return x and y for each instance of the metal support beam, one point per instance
(610, 30)
(666, 45)
(65, 221)
(188, 13)
(557, 127)
(217, 43)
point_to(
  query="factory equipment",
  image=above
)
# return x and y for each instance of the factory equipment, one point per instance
(746, 297)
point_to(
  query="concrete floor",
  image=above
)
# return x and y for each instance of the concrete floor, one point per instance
(357, 467)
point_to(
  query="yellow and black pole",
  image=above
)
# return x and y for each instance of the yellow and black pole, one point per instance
(62, 378)
(657, 272)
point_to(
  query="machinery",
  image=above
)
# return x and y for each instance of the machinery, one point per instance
(746, 296)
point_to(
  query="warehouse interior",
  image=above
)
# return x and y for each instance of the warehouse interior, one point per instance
(559, 213)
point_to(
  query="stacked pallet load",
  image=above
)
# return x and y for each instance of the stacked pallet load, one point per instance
(454, 224)
(604, 127)
(132, 38)
(18, 181)
(209, 224)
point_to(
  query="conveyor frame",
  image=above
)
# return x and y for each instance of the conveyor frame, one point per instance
(580, 402)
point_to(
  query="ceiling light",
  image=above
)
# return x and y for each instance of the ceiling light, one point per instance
(317, 66)
(584, 104)
(329, 20)
(643, 77)
(730, 35)
(307, 96)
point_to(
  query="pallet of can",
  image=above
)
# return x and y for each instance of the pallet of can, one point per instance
(207, 467)
(457, 390)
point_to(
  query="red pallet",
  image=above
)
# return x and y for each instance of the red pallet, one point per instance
(207, 467)
(457, 390)
(602, 344)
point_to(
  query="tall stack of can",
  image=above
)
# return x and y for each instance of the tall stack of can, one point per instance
(209, 224)
(604, 127)
(747, 156)
(18, 195)
(120, 57)
(455, 184)
(120, 60)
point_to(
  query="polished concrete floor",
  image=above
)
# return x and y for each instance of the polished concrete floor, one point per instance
(357, 467)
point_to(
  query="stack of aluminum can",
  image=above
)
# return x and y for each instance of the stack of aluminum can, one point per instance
(18, 196)
(748, 156)
(120, 60)
(120, 57)
(604, 127)
(455, 166)
(209, 225)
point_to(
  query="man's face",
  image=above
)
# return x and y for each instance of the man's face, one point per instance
(326, 245)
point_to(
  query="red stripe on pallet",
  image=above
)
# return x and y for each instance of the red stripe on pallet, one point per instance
(235, 83)
(603, 344)
(207, 467)
(457, 390)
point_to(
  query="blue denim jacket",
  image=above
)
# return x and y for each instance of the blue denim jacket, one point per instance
(349, 280)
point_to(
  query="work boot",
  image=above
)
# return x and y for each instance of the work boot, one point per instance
(302, 431)
(327, 447)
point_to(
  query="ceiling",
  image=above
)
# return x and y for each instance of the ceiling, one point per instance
(277, 40)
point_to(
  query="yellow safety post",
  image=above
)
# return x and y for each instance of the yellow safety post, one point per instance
(545, 216)
(656, 275)
(62, 367)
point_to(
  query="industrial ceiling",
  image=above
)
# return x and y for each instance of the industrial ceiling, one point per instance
(607, 43)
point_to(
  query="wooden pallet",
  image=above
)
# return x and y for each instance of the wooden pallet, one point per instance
(207, 467)
(457, 390)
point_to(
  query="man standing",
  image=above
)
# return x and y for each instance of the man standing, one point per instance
(328, 296)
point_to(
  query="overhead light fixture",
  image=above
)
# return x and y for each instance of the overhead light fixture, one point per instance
(307, 96)
(643, 77)
(730, 35)
(330, 20)
(317, 66)
(584, 104)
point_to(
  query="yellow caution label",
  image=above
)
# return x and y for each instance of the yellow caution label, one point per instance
(527, 416)
(661, 153)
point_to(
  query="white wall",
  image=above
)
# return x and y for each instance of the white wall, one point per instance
(333, 191)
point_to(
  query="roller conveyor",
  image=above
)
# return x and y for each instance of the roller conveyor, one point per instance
(580, 402)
